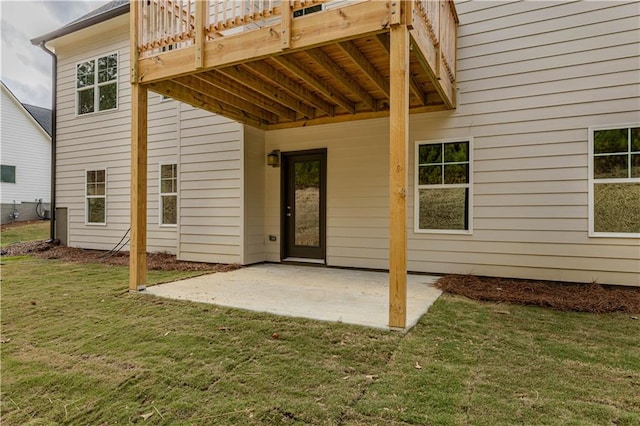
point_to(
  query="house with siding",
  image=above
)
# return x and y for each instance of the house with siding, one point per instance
(519, 155)
(25, 159)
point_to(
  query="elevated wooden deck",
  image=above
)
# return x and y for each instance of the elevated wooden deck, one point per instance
(274, 64)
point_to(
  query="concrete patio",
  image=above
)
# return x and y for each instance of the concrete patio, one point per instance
(326, 294)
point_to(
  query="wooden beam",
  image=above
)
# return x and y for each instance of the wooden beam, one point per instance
(134, 28)
(199, 100)
(285, 24)
(270, 91)
(138, 241)
(203, 87)
(383, 40)
(201, 10)
(254, 97)
(365, 66)
(288, 85)
(395, 12)
(398, 143)
(319, 85)
(367, 115)
(341, 75)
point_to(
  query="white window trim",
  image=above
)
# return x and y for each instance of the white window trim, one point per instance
(15, 174)
(160, 194)
(86, 197)
(96, 99)
(416, 188)
(592, 181)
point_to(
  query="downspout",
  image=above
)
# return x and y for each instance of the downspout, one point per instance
(54, 119)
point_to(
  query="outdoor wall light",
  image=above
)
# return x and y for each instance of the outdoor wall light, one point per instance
(273, 158)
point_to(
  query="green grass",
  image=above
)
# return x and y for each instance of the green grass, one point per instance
(28, 232)
(79, 349)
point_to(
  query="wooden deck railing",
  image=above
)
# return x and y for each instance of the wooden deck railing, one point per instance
(439, 20)
(171, 24)
(164, 25)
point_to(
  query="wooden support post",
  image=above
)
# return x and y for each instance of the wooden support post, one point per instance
(285, 23)
(201, 10)
(398, 142)
(138, 242)
(134, 29)
(395, 12)
(438, 46)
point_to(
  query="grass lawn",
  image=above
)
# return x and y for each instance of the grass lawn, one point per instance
(28, 232)
(77, 348)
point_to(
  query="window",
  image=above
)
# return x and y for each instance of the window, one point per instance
(8, 174)
(614, 189)
(168, 194)
(307, 10)
(442, 187)
(96, 195)
(97, 84)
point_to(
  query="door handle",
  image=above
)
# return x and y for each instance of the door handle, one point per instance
(288, 214)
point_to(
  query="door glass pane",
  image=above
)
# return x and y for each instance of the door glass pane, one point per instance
(307, 203)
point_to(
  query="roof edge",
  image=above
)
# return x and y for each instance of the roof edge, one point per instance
(26, 111)
(76, 26)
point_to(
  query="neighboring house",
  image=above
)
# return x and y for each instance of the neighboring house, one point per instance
(25, 160)
(534, 174)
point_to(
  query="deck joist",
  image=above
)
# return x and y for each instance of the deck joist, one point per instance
(325, 67)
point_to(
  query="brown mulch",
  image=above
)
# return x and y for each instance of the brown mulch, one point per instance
(595, 298)
(155, 261)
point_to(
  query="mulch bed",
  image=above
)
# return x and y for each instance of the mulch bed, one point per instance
(593, 297)
(562, 296)
(155, 261)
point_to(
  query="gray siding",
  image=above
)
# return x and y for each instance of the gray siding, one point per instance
(210, 188)
(533, 77)
(99, 140)
(206, 147)
(253, 208)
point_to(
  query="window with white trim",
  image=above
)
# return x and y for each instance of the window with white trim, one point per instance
(97, 84)
(442, 186)
(614, 190)
(8, 174)
(168, 194)
(96, 197)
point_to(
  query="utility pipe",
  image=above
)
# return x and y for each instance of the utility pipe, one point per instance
(54, 119)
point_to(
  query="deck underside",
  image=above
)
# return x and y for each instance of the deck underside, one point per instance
(326, 73)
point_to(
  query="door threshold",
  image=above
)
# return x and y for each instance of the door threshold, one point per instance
(304, 260)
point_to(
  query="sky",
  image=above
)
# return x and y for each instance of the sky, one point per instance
(24, 68)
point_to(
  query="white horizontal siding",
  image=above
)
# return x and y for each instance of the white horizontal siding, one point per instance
(26, 146)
